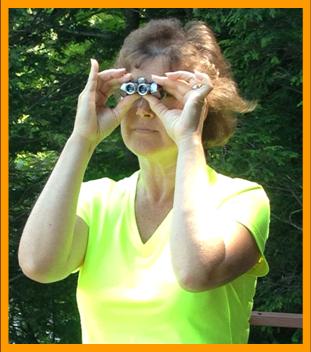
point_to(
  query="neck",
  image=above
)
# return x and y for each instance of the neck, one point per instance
(157, 179)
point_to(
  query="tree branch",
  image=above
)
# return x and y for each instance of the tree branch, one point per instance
(103, 35)
(286, 222)
(18, 276)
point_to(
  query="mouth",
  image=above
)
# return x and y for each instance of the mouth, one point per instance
(144, 130)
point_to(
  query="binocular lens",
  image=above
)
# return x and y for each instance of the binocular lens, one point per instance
(142, 89)
(130, 88)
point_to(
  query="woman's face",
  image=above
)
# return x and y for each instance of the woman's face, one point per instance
(142, 131)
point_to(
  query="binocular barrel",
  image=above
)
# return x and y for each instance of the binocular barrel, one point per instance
(142, 88)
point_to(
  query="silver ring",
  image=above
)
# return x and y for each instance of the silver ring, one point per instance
(197, 86)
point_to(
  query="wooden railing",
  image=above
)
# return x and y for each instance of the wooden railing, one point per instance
(284, 320)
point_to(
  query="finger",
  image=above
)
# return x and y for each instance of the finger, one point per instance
(111, 78)
(114, 83)
(124, 105)
(192, 78)
(101, 97)
(156, 106)
(205, 80)
(180, 75)
(106, 88)
(92, 80)
(196, 101)
(112, 73)
(201, 87)
(177, 88)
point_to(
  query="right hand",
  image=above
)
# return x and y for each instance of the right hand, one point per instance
(94, 120)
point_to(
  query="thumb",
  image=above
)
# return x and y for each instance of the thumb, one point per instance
(124, 105)
(92, 80)
(156, 106)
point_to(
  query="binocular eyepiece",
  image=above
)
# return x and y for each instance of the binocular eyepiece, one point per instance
(142, 88)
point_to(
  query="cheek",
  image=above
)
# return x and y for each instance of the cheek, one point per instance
(129, 117)
(127, 122)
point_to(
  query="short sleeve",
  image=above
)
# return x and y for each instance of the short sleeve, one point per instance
(83, 207)
(92, 202)
(251, 208)
(85, 202)
(93, 199)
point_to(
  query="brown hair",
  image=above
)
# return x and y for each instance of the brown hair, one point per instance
(188, 48)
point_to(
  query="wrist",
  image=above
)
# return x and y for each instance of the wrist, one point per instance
(190, 142)
(82, 142)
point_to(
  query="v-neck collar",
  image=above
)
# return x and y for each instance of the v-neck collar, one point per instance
(160, 235)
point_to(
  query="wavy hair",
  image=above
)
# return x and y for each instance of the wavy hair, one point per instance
(192, 47)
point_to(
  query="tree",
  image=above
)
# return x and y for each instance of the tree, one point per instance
(49, 63)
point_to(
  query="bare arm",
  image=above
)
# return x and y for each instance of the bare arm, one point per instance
(206, 251)
(54, 239)
(47, 239)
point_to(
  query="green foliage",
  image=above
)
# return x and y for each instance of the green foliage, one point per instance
(264, 49)
(49, 62)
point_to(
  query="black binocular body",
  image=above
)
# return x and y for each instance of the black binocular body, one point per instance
(142, 87)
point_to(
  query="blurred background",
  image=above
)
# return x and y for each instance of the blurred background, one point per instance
(49, 55)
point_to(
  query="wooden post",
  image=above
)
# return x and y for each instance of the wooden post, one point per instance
(285, 320)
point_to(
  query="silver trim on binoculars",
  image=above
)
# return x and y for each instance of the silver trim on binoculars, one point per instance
(142, 88)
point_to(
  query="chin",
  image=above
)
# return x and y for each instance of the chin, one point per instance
(142, 148)
(149, 148)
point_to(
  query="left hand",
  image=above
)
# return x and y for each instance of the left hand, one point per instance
(188, 122)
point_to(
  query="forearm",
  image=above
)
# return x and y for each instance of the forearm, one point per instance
(47, 237)
(196, 248)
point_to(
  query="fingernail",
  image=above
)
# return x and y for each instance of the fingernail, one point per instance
(126, 77)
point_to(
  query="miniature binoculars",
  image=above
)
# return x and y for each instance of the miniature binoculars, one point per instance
(142, 87)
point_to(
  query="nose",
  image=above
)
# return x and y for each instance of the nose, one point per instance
(143, 109)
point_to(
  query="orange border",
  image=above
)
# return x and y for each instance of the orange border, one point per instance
(157, 4)
(5, 5)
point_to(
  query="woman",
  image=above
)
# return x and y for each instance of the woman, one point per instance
(172, 253)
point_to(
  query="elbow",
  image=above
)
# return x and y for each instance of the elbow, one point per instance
(40, 276)
(192, 281)
(36, 271)
(198, 276)
(36, 275)
(192, 284)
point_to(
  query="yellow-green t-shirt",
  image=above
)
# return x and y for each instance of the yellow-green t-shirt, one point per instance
(127, 292)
